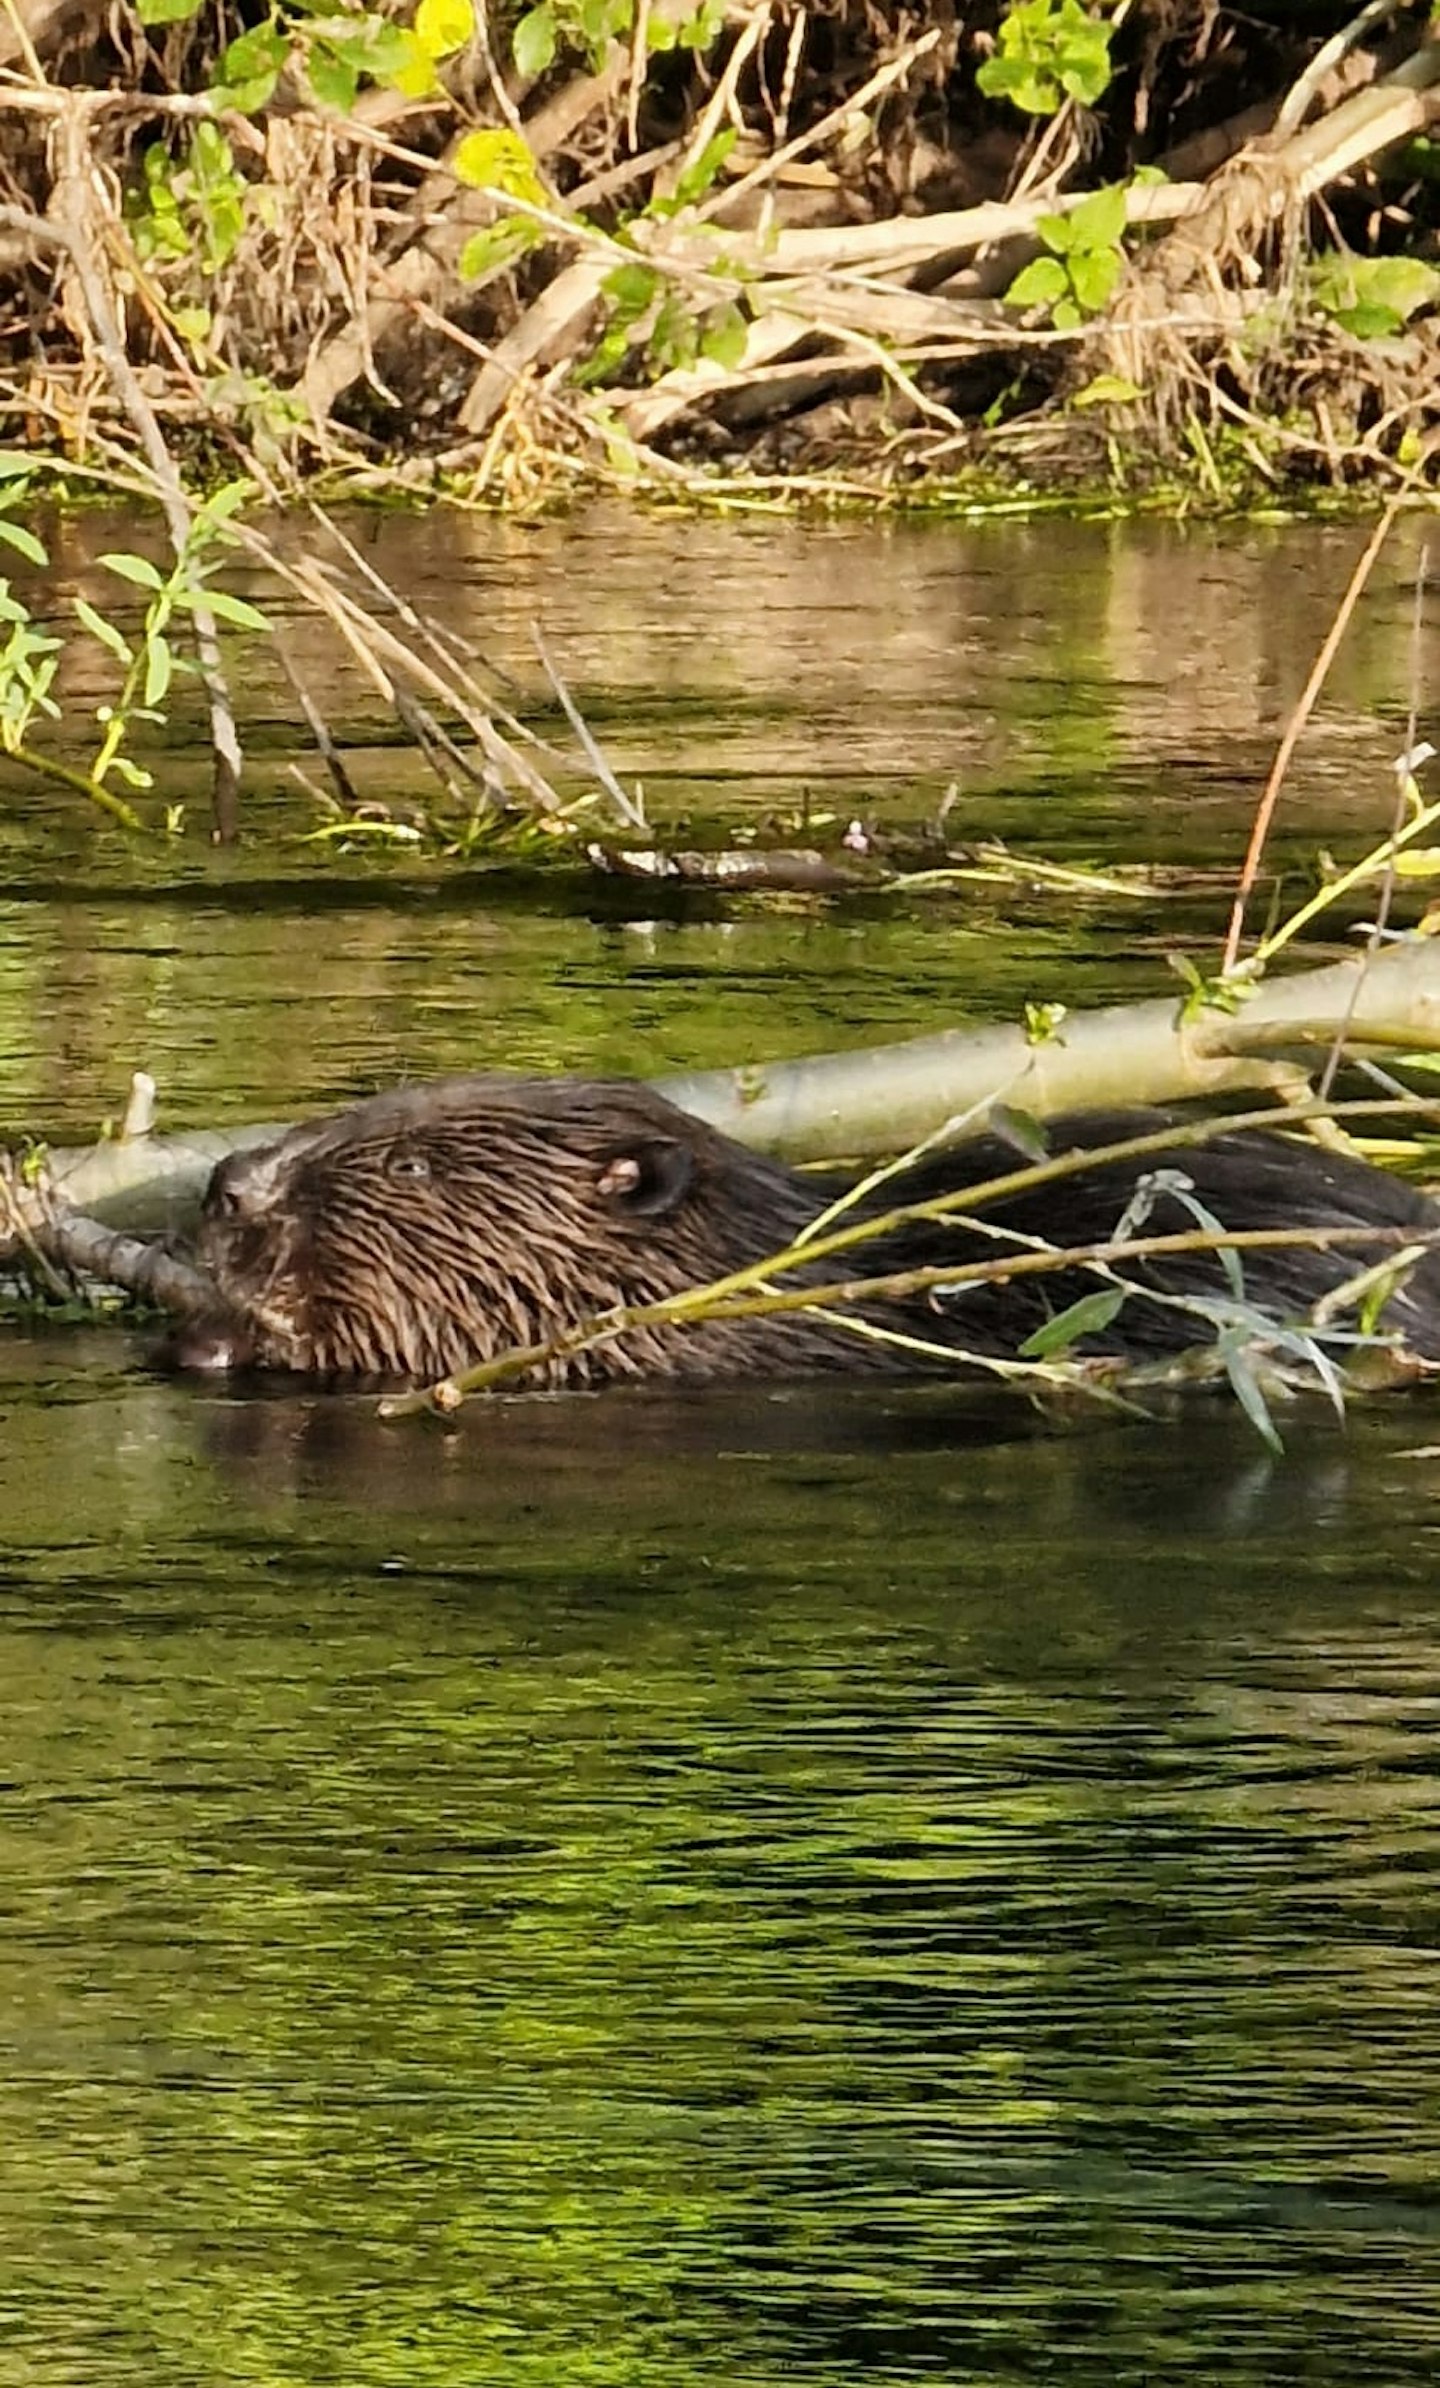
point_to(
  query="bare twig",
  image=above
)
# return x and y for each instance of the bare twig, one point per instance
(1300, 715)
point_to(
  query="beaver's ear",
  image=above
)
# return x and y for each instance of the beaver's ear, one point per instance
(646, 1179)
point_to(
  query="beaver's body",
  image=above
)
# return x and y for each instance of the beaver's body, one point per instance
(422, 1232)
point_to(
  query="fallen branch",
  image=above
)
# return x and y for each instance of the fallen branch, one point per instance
(864, 1104)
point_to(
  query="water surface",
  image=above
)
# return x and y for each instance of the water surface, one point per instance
(712, 1888)
(743, 1887)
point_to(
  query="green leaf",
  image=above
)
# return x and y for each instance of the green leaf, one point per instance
(1066, 317)
(674, 341)
(1084, 64)
(532, 45)
(133, 774)
(261, 51)
(1367, 321)
(1020, 1128)
(1089, 1316)
(166, 12)
(411, 71)
(1246, 1387)
(697, 178)
(1038, 284)
(723, 337)
(224, 502)
(698, 32)
(226, 608)
(1108, 389)
(499, 246)
(333, 82)
(1405, 283)
(1056, 233)
(375, 48)
(24, 542)
(630, 288)
(1099, 220)
(498, 160)
(248, 98)
(106, 632)
(607, 356)
(1046, 50)
(158, 670)
(138, 569)
(1093, 277)
(1017, 80)
(194, 325)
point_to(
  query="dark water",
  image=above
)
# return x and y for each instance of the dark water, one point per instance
(745, 1888)
(733, 1889)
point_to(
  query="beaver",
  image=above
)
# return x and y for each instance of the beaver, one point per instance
(424, 1231)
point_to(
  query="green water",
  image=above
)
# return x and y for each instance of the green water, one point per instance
(729, 1889)
(749, 1887)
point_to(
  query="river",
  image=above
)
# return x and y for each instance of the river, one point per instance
(747, 1886)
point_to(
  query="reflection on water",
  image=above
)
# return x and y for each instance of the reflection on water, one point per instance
(1099, 694)
(712, 1888)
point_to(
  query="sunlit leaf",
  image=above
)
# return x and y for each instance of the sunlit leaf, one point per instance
(1093, 276)
(106, 632)
(226, 608)
(496, 159)
(532, 45)
(444, 25)
(138, 569)
(24, 542)
(1099, 220)
(1038, 284)
(412, 71)
(1108, 389)
(159, 668)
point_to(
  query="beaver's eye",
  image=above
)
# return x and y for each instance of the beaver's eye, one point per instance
(407, 1164)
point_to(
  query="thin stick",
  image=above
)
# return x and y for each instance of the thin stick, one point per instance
(894, 72)
(1405, 795)
(1309, 696)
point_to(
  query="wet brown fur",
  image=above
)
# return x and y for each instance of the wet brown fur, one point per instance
(428, 1230)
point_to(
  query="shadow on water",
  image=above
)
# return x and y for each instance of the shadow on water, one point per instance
(718, 1887)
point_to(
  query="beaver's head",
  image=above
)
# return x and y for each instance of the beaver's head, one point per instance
(426, 1231)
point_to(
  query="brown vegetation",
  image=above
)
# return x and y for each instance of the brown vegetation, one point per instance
(600, 239)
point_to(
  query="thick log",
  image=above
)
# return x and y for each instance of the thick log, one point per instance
(862, 1105)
